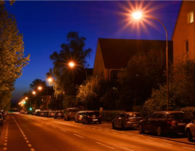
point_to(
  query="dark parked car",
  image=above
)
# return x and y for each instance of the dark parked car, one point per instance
(79, 116)
(1, 119)
(91, 117)
(69, 113)
(126, 120)
(190, 130)
(164, 122)
(59, 114)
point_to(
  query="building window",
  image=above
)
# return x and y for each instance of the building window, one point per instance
(186, 46)
(190, 17)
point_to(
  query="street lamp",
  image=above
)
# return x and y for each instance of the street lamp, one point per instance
(137, 16)
(39, 88)
(34, 92)
(73, 64)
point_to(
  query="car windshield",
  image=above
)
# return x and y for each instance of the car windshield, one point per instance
(176, 116)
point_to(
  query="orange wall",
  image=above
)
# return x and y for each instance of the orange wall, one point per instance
(184, 31)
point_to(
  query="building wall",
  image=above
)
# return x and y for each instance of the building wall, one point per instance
(99, 69)
(184, 33)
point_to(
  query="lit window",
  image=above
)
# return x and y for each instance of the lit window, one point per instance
(190, 17)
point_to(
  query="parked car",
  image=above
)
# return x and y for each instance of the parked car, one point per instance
(69, 113)
(190, 130)
(59, 114)
(79, 116)
(91, 117)
(126, 120)
(164, 122)
(1, 119)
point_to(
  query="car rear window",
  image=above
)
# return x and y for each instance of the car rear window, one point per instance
(134, 115)
(176, 116)
(94, 113)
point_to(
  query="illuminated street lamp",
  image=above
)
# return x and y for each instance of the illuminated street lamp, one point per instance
(137, 16)
(39, 88)
(50, 80)
(34, 92)
(71, 64)
(26, 98)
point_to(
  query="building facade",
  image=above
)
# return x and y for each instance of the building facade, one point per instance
(184, 33)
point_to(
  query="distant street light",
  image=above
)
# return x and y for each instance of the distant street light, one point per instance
(39, 88)
(137, 16)
(34, 92)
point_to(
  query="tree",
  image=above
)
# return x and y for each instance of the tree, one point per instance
(144, 72)
(181, 89)
(12, 58)
(65, 78)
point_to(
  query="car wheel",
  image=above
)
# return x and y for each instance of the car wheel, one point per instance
(113, 126)
(141, 129)
(159, 131)
(122, 126)
(189, 135)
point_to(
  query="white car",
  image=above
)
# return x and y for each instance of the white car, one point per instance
(190, 130)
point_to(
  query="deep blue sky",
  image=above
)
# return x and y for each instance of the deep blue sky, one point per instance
(45, 25)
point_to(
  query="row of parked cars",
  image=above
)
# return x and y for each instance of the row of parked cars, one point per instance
(159, 123)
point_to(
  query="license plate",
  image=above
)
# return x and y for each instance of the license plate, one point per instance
(181, 124)
(95, 120)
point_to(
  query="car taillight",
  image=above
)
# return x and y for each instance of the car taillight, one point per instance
(172, 122)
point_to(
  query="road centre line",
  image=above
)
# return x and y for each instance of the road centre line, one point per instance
(149, 140)
(166, 144)
(105, 145)
(189, 148)
(29, 145)
(78, 136)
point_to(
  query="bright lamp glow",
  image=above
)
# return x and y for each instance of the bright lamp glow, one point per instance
(137, 15)
(39, 88)
(71, 64)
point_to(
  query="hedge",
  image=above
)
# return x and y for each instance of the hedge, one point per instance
(110, 115)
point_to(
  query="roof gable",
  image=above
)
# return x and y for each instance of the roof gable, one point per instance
(117, 52)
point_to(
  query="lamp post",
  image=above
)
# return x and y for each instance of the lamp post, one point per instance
(73, 64)
(137, 16)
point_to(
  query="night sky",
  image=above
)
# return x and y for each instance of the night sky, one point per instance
(45, 24)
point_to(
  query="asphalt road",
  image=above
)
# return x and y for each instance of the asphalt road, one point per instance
(32, 133)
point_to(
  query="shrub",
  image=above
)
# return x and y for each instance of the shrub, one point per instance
(189, 112)
(110, 115)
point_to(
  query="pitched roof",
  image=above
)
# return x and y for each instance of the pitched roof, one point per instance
(117, 52)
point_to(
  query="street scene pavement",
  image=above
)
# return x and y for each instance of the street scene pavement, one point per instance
(23, 132)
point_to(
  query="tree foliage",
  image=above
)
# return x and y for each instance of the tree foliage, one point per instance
(66, 79)
(181, 89)
(144, 72)
(12, 58)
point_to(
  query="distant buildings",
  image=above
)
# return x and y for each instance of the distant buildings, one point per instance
(184, 34)
(113, 54)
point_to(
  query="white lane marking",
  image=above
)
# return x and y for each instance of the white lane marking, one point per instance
(127, 148)
(166, 144)
(105, 145)
(188, 148)
(78, 136)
